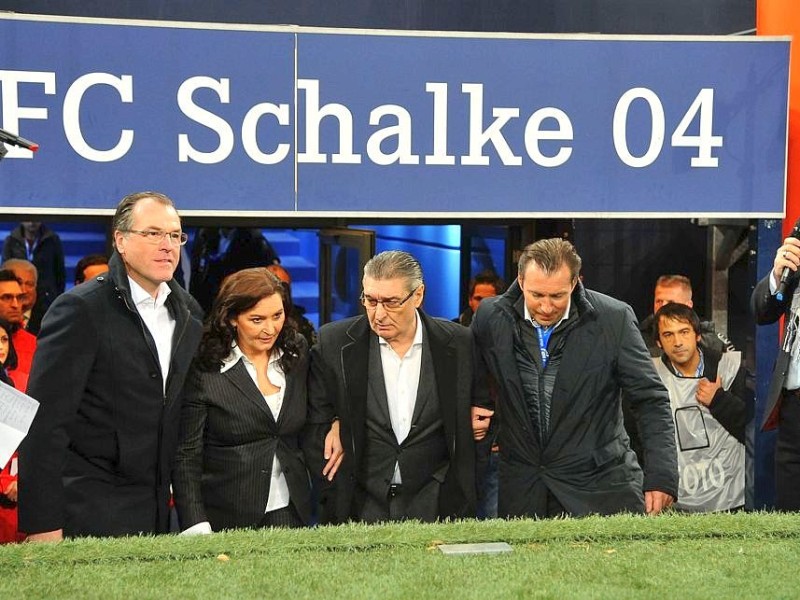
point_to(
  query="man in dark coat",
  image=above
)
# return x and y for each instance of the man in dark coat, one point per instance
(782, 409)
(399, 384)
(110, 365)
(560, 355)
(35, 242)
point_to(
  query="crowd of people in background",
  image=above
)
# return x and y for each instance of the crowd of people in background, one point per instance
(223, 406)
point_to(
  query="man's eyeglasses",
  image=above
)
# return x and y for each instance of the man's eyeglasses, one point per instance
(390, 304)
(8, 298)
(176, 238)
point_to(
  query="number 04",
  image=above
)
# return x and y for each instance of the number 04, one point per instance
(705, 141)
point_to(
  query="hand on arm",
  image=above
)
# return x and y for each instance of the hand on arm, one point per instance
(334, 452)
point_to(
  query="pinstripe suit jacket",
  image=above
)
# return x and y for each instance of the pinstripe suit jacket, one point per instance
(228, 440)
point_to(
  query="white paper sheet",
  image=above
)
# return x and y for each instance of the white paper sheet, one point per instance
(16, 415)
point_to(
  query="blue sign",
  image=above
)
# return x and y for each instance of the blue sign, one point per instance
(297, 122)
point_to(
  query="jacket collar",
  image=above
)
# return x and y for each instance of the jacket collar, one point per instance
(44, 233)
(119, 276)
(580, 305)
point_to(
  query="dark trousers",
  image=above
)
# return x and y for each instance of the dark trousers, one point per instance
(787, 454)
(391, 508)
(487, 473)
(282, 517)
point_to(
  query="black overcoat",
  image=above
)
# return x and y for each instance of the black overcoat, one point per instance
(98, 457)
(586, 461)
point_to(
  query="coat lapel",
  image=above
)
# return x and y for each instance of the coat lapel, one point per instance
(375, 380)
(354, 359)
(427, 379)
(445, 370)
(241, 379)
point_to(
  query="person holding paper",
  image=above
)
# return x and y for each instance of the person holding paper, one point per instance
(8, 475)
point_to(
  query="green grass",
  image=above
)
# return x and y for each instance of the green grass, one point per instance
(673, 556)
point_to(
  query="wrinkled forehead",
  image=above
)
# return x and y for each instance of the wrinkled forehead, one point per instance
(151, 213)
(396, 287)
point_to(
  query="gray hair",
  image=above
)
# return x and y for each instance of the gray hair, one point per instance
(123, 218)
(21, 263)
(395, 264)
(550, 255)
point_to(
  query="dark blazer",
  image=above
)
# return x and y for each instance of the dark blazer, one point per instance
(338, 388)
(767, 310)
(585, 460)
(228, 441)
(98, 457)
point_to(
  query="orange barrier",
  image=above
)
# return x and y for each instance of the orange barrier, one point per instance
(782, 17)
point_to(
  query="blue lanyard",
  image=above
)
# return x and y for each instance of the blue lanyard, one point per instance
(31, 248)
(544, 337)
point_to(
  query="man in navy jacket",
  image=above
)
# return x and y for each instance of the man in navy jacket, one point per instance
(561, 355)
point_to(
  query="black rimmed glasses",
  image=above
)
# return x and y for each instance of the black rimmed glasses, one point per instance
(9, 298)
(389, 304)
(151, 236)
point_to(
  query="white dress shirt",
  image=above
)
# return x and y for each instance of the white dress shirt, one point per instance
(401, 376)
(158, 321)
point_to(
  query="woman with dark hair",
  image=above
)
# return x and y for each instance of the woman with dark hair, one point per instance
(239, 461)
(8, 475)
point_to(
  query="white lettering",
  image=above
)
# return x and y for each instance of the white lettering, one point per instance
(402, 132)
(72, 117)
(478, 137)
(620, 127)
(250, 140)
(314, 115)
(186, 151)
(534, 133)
(13, 112)
(440, 155)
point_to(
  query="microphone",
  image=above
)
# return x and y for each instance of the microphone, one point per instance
(787, 272)
(6, 137)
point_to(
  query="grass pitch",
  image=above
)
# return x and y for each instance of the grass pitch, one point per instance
(740, 555)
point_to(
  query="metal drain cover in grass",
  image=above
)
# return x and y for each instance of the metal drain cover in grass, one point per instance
(487, 548)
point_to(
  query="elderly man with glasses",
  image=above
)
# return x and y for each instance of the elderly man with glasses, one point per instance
(400, 383)
(12, 306)
(112, 357)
